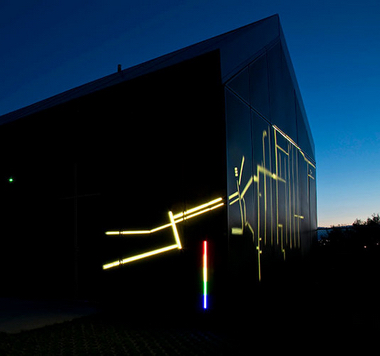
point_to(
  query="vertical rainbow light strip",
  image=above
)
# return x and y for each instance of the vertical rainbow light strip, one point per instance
(204, 274)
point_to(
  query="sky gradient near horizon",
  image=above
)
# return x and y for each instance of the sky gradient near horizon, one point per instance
(48, 47)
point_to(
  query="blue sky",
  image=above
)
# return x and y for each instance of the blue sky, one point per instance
(49, 46)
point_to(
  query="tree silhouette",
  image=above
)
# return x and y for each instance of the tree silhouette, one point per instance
(363, 234)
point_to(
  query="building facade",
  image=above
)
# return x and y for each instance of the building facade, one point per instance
(173, 181)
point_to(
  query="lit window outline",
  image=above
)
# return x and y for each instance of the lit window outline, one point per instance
(174, 220)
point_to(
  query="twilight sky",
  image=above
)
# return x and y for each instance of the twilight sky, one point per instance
(49, 46)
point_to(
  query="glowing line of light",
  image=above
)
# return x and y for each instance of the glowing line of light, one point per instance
(174, 219)
(185, 215)
(112, 264)
(241, 169)
(234, 201)
(141, 256)
(233, 195)
(175, 231)
(138, 232)
(286, 136)
(293, 143)
(237, 231)
(250, 181)
(205, 274)
(286, 165)
(160, 228)
(197, 208)
(299, 216)
(283, 150)
(201, 212)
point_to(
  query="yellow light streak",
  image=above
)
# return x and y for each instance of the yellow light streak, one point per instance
(179, 217)
(286, 211)
(130, 232)
(308, 162)
(138, 232)
(234, 201)
(293, 143)
(201, 212)
(199, 207)
(237, 231)
(175, 231)
(265, 135)
(233, 195)
(174, 219)
(250, 181)
(286, 137)
(268, 173)
(112, 264)
(241, 169)
(283, 150)
(139, 257)
(113, 233)
(162, 227)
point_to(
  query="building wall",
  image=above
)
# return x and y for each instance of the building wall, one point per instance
(118, 159)
(270, 169)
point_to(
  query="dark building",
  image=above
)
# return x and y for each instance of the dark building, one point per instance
(183, 180)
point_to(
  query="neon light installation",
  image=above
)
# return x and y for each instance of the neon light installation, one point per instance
(205, 266)
(174, 220)
(180, 217)
(285, 176)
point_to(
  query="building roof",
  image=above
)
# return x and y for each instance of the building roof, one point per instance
(235, 54)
